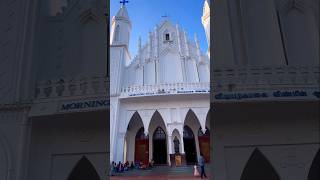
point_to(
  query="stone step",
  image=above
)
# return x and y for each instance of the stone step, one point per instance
(182, 170)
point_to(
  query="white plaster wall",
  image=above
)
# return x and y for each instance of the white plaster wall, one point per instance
(170, 68)
(204, 72)
(173, 111)
(139, 75)
(56, 146)
(262, 33)
(192, 71)
(288, 137)
(13, 152)
(149, 73)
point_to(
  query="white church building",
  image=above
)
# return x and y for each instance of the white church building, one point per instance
(159, 99)
(53, 90)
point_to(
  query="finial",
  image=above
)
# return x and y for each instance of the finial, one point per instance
(123, 2)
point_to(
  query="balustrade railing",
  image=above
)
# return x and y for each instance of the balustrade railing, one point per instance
(69, 87)
(265, 78)
(167, 88)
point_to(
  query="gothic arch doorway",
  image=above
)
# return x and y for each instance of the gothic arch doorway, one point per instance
(84, 170)
(189, 145)
(204, 143)
(258, 167)
(130, 148)
(159, 146)
(141, 147)
(314, 173)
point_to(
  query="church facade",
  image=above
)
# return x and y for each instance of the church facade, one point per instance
(265, 83)
(53, 90)
(159, 99)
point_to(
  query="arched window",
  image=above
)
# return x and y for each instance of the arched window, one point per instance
(167, 36)
(176, 145)
(159, 134)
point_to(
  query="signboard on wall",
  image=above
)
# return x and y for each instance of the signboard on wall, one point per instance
(296, 94)
(69, 106)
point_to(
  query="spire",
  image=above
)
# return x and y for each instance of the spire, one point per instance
(186, 43)
(197, 46)
(155, 36)
(123, 13)
(121, 28)
(149, 45)
(179, 39)
(206, 22)
(139, 50)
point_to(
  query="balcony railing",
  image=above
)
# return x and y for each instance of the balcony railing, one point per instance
(265, 78)
(72, 87)
(162, 89)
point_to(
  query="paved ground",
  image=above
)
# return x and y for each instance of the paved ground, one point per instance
(160, 173)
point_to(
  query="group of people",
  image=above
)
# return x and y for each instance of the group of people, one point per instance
(122, 167)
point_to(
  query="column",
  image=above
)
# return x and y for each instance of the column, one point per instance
(119, 153)
(24, 139)
(169, 149)
(170, 140)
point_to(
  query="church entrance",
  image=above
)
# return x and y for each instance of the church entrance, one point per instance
(84, 170)
(189, 145)
(159, 147)
(141, 147)
(204, 144)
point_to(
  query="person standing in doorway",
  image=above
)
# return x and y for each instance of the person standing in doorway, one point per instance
(201, 164)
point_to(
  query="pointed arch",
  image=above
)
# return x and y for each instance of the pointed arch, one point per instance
(135, 118)
(189, 141)
(84, 170)
(258, 167)
(192, 119)
(314, 172)
(157, 145)
(134, 125)
(177, 145)
(191, 146)
(156, 119)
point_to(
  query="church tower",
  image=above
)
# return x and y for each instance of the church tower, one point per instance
(206, 22)
(121, 28)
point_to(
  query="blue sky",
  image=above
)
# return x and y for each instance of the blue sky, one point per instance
(145, 14)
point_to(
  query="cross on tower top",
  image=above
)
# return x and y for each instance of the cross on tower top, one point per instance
(124, 2)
